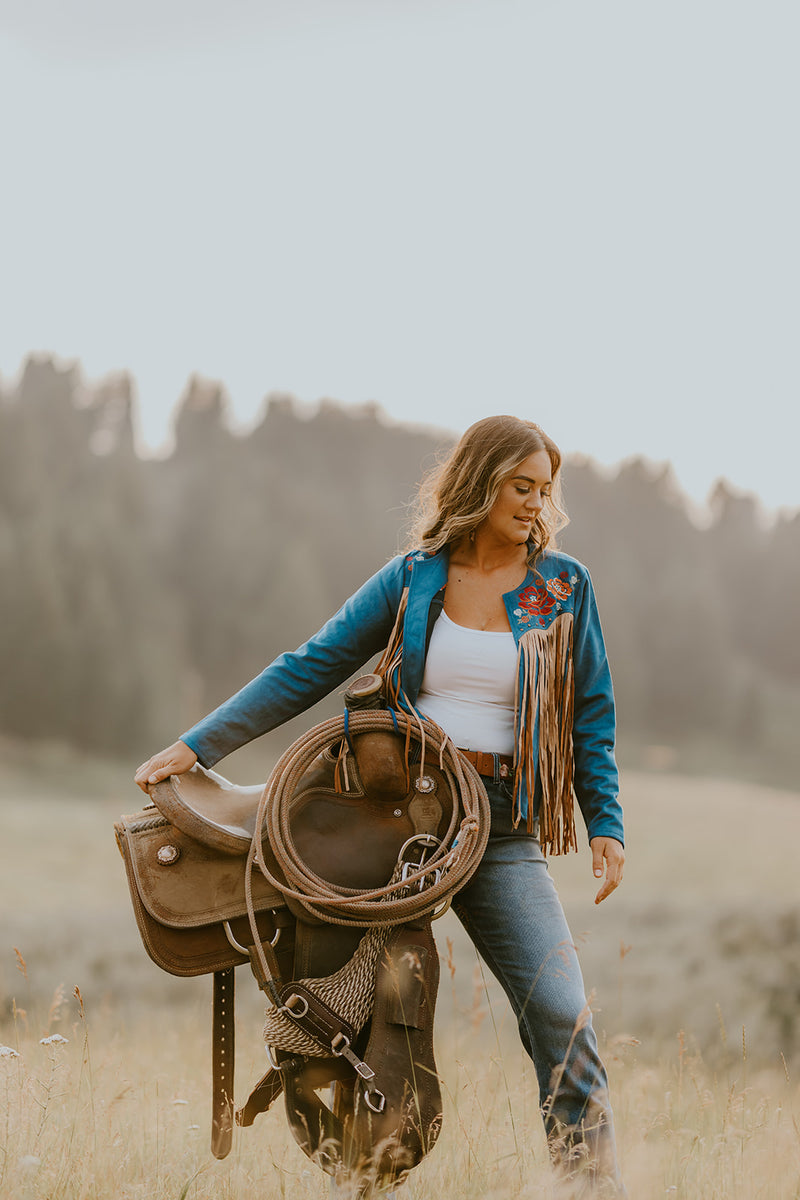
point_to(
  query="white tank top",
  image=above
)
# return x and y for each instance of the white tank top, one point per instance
(469, 685)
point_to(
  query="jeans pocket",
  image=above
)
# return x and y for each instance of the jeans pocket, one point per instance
(506, 786)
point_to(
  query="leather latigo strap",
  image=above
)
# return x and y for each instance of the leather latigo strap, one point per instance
(222, 1066)
(483, 761)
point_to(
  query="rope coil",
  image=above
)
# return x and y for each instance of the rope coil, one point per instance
(449, 867)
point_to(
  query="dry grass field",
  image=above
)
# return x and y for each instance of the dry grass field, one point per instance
(121, 1111)
(694, 966)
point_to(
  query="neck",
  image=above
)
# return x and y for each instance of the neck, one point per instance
(486, 554)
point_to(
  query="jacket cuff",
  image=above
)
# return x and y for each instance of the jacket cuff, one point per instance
(608, 828)
(206, 759)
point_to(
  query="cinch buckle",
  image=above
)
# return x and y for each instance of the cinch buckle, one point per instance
(428, 845)
(412, 868)
(340, 1045)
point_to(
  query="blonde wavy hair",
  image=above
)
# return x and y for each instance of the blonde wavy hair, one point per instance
(459, 493)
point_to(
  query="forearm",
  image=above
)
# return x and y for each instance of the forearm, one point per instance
(298, 679)
(596, 778)
(288, 686)
(597, 789)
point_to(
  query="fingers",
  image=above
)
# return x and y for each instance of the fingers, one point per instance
(608, 854)
(173, 761)
(608, 887)
(152, 771)
(612, 881)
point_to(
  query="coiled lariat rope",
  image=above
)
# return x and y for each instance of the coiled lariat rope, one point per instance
(350, 989)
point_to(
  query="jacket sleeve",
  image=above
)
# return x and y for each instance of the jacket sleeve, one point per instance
(298, 679)
(594, 727)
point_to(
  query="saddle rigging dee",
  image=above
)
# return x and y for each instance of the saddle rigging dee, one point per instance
(331, 904)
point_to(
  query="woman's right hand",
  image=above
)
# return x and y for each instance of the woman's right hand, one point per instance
(176, 759)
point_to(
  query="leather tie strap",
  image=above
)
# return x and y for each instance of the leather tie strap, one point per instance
(317, 1073)
(484, 762)
(222, 1064)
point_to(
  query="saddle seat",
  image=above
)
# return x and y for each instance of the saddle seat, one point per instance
(209, 808)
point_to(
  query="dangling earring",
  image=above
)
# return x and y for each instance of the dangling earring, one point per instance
(472, 536)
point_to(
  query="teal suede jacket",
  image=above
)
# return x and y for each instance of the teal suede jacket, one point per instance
(565, 702)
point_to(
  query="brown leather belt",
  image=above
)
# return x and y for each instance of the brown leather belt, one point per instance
(486, 763)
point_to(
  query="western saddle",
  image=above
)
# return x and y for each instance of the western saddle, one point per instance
(325, 882)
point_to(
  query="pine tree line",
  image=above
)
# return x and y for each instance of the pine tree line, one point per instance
(136, 594)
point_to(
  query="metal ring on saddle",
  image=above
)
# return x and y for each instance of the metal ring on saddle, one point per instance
(288, 1007)
(226, 925)
(379, 1104)
(245, 950)
(442, 909)
(429, 841)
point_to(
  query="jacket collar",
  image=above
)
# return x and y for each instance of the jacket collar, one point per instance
(426, 575)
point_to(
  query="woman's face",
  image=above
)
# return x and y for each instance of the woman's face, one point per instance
(520, 501)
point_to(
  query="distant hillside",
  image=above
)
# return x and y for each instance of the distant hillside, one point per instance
(134, 594)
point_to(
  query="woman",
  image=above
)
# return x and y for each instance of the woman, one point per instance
(500, 645)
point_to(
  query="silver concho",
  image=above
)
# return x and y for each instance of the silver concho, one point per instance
(424, 784)
(167, 855)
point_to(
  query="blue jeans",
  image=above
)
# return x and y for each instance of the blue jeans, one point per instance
(512, 913)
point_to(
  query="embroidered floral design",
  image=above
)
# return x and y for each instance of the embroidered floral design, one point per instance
(561, 588)
(536, 602)
(544, 600)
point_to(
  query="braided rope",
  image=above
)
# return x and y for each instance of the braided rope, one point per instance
(350, 992)
(157, 822)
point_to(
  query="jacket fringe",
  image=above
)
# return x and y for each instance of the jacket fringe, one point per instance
(389, 665)
(546, 697)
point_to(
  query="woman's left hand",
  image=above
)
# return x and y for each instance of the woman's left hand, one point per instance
(610, 850)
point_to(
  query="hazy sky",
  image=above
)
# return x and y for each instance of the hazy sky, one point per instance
(581, 212)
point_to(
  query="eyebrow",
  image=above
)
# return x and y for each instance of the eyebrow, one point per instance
(528, 479)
